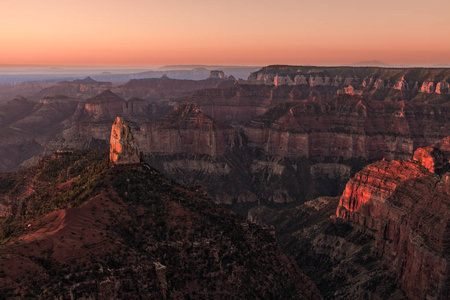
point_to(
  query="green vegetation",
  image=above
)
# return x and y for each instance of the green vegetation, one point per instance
(82, 172)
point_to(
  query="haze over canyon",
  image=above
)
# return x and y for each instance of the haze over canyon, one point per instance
(296, 182)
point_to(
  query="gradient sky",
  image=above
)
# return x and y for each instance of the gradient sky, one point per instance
(250, 32)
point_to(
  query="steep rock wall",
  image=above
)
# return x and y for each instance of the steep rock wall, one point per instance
(406, 208)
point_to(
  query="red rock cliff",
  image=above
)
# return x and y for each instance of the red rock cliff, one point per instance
(123, 149)
(406, 207)
(436, 157)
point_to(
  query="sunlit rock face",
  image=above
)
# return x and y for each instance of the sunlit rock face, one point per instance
(405, 206)
(123, 149)
(436, 157)
(427, 87)
(442, 87)
(402, 85)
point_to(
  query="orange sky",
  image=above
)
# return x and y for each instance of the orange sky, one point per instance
(250, 32)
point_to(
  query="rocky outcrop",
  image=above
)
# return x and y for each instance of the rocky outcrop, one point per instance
(369, 189)
(427, 87)
(442, 87)
(123, 149)
(405, 206)
(434, 158)
(216, 74)
(282, 80)
(402, 85)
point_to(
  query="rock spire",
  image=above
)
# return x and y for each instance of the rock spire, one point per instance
(123, 149)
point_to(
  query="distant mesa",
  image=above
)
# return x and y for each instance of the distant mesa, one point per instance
(216, 74)
(123, 148)
(87, 80)
(105, 96)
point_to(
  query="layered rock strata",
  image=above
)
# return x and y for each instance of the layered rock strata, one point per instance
(186, 130)
(406, 207)
(347, 127)
(435, 158)
(367, 79)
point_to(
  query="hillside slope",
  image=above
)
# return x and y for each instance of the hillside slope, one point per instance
(73, 226)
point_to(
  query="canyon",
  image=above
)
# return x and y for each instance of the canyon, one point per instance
(348, 168)
(245, 141)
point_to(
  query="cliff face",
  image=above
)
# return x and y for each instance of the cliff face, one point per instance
(406, 207)
(435, 158)
(123, 149)
(241, 103)
(361, 79)
(346, 128)
(186, 131)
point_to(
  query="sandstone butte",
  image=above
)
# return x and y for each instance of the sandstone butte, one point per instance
(405, 205)
(123, 148)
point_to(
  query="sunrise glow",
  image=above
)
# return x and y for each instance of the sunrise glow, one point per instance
(140, 32)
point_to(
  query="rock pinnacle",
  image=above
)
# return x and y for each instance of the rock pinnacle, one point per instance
(123, 148)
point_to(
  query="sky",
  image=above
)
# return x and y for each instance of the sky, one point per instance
(232, 32)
